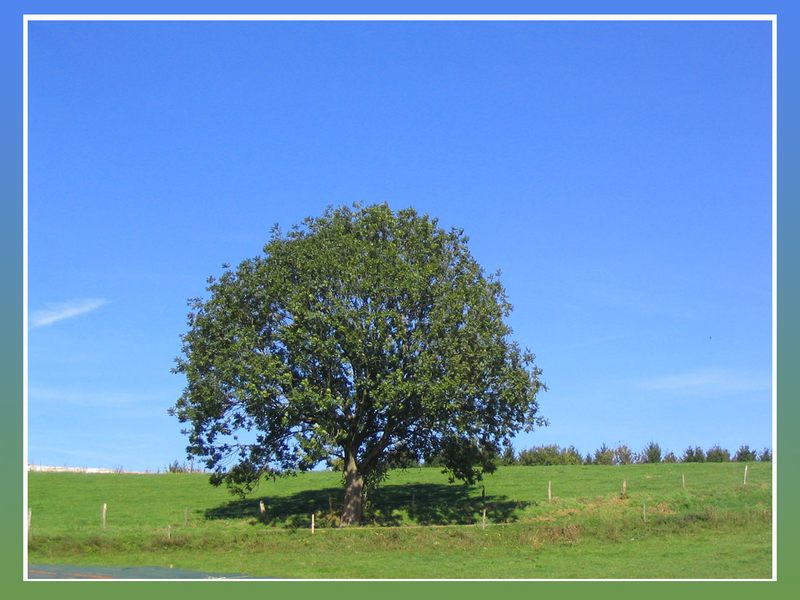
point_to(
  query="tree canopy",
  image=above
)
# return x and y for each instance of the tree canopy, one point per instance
(363, 335)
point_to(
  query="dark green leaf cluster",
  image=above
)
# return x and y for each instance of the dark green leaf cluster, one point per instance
(363, 335)
(603, 456)
(623, 455)
(550, 455)
(718, 454)
(695, 454)
(745, 454)
(554, 454)
(651, 453)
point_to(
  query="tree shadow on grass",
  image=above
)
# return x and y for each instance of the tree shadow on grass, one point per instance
(424, 503)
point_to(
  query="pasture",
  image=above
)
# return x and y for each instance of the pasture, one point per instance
(695, 520)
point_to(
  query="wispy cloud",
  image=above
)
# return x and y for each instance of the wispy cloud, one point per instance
(708, 380)
(52, 313)
(99, 398)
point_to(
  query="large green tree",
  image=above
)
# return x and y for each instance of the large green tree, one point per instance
(364, 335)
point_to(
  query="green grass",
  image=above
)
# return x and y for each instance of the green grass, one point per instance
(419, 526)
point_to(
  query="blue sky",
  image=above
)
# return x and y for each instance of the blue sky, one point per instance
(617, 173)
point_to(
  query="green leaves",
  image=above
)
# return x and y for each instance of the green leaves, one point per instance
(361, 333)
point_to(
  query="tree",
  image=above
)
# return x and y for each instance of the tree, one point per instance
(670, 457)
(744, 454)
(717, 454)
(623, 455)
(551, 454)
(651, 453)
(695, 454)
(362, 335)
(508, 457)
(604, 456)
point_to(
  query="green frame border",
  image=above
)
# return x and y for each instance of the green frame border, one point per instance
(11, 515)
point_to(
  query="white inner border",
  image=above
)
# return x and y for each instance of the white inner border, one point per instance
(773, 18)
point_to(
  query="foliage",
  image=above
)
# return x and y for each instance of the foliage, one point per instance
(744, 454)
(696, 454)
(604, 456)
(550, 454)
(623, 455)
(363, 334)
(717, 454)
(651, 453)
(508, 457)
(177, 467)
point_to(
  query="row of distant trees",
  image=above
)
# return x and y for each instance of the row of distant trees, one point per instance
(553, 454)
(623, 455)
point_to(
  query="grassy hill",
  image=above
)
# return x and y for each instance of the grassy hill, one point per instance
(419, 525)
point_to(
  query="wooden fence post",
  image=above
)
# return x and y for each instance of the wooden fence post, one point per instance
(261, 508)
(105, 510)
(312, 523)
(483, 522)
(624, 488)
(549, 491)
(745, 475)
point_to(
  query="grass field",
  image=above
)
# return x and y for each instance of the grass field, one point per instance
(419, 526)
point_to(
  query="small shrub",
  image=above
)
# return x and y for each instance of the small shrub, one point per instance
(694, 455)
(550, 454)
(717, 454)
(651, 453)
(744, 454)
(177, 467)
(604, 456)
(670, 457)
(765, 455)
(540, 456)
(508, 457)
(571, 456)
(623, 455)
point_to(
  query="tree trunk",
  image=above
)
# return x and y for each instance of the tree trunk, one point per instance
(353, 494)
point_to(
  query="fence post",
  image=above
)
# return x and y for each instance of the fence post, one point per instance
(105, 509)
(624, 488)
(483, 522)
(549, 491)
(312, 523)
(683, 480)
(261, 508)
(745, 475)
